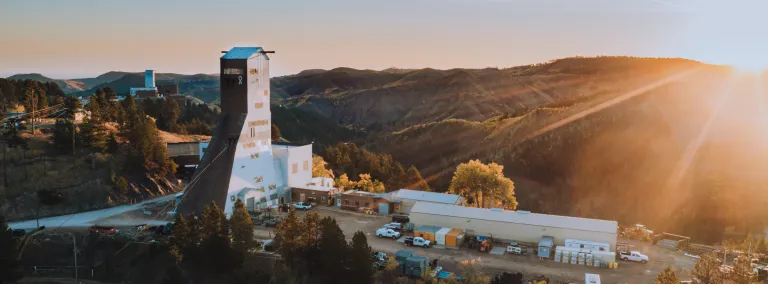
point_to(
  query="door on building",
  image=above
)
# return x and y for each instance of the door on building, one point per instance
(384, 208)
(302, 197)
(338, 202)
(249, 203)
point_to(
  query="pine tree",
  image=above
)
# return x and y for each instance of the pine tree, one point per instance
(169, 116)
(73, 106)
(242, 228)
(10, 269)
(214, 221)
(182, 237)
(707, 269)
(360, 261)
(667, 277)
(112, 144)
(761, 246)
(742, 272)
(288, 238)
(333, 248)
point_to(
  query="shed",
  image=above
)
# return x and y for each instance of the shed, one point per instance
(426, 231)
(545, 246)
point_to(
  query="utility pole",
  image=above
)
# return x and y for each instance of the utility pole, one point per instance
(73, 137)
(34, 102)
(74, 251)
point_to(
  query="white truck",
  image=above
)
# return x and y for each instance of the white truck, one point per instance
(633, 256)
(418, 242)
(302, 205)
(387, 233)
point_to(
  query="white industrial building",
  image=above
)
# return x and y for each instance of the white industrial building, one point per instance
(519, 226)
(241, 161)
(149, 83)
(405, 199)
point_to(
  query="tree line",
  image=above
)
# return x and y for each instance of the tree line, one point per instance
(375, 171)
(187, 119)
(709, 269)
(145, 151)
(23, 92)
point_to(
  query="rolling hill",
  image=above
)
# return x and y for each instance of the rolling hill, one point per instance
(67, 86)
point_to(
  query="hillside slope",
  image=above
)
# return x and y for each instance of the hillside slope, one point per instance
(67, 86)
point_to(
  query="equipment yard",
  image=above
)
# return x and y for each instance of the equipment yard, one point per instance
(529, 265)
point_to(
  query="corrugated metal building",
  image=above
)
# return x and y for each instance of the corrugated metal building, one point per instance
(514, 225)
(406, 198)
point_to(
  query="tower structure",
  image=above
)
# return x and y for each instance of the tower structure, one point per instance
(239, 163)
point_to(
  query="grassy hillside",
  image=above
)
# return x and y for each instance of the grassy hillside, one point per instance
(651, 159)
(67, 86)
(393, 100)
(300, 126)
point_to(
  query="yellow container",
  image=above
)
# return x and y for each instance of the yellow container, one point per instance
(454, 237)
(426, 232)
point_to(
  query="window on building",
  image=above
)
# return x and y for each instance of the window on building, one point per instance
(266, 92)
(259, 105)
(261, 188)
(306, 166)
(258, 179)
(263, 199)
(295, 168)
(254, 155)
(253, 132)
(273, 196)
(272, 186)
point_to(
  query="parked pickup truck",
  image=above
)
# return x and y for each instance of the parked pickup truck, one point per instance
(633, 256)
(417, 241)
(302, 205)
(387, 233)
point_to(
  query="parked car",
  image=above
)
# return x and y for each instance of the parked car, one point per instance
(387, 233)
(401, 219)
(394, 226)
(102, 230)
(417, 241)
(633, 256)
(302, 205)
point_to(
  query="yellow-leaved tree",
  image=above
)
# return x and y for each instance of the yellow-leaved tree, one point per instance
(320, 167)
(484, 185)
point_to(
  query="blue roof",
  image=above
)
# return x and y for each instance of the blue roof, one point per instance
(241, 52)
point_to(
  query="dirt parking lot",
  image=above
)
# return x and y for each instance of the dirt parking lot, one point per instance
(530, 266)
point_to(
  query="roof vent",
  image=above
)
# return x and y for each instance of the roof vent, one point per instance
(497, 209)
(523, 212)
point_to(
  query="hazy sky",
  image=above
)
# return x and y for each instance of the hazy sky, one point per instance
(84, 38)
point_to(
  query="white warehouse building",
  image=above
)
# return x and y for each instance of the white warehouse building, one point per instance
(519, 226)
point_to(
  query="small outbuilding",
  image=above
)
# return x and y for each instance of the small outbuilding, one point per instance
(545, 246)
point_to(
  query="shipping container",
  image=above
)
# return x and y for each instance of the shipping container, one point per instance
(454, 238)
(426, 231)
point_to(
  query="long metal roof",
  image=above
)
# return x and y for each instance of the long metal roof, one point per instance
(426, 196)
(554, 221)
(241, 52)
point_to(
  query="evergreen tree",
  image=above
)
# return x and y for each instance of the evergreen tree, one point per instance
(761, 246)
(59, 100)
(217, 256)
(333, 248)
(94, 135)
(242, 228)
(112, 144)
(214, 221)
(10, 269)
(707, 269)
(62, 136)
(121, 185)
(414, 180)
(169, 116)
(742, 272)
(94, 108)
(73, 105)
(667, 277)
(275, 133)
(360, 261)
(288, 239)
(182, 238)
